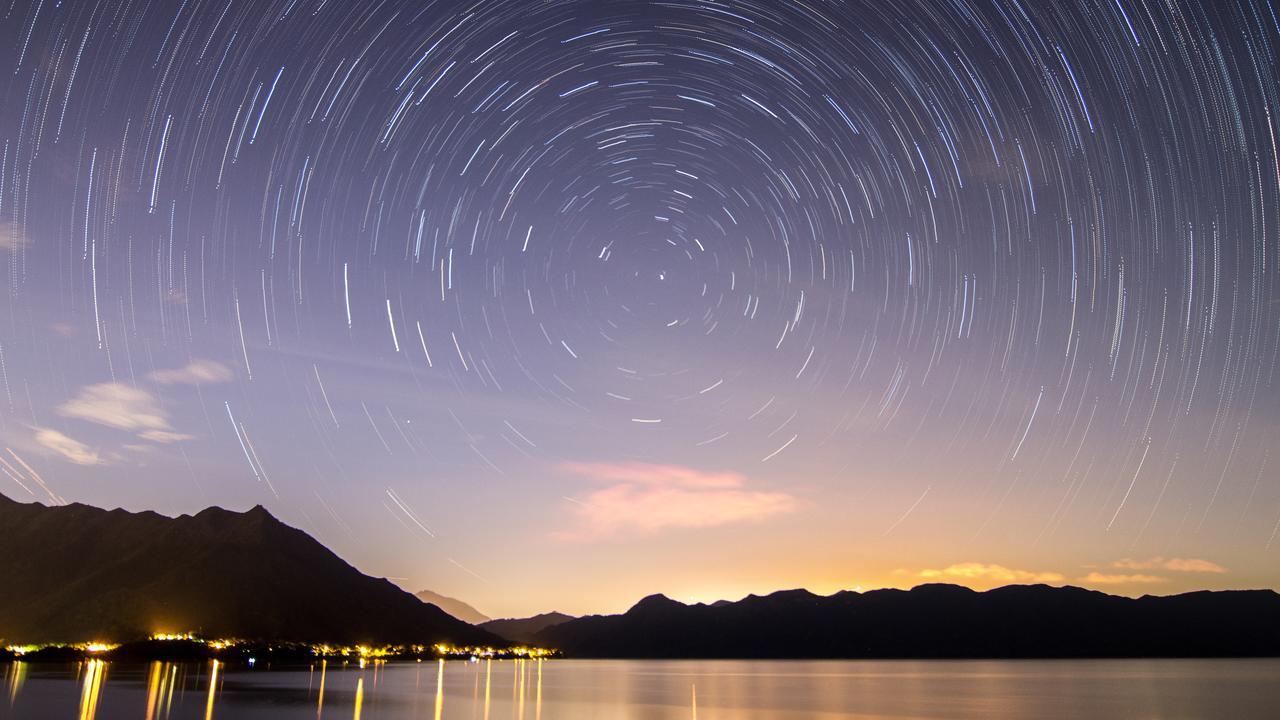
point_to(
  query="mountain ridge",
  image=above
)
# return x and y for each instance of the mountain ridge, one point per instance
(453, 606)
(525, 630)
(122, 575)
(933, 621)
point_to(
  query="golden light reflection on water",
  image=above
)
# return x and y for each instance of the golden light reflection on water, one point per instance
(359, 697)
(165, 685)
(488, 676)
(524, 677)
(94, 673)
(517, 690)
(153, 688)
(162, 681)
(15, 676)
(440, 691)
(587, 690)
(164, 678)
(213, 691)
(173, 682)
(324, 665)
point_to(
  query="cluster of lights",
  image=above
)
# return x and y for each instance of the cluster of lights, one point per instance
(489, 652)
(219, 644)
(364, 652)
(93, 647)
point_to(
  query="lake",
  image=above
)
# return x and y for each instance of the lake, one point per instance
(657, 690)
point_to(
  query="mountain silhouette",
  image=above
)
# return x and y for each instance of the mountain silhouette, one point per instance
(524, 630)
(934, 621)
(76, 573)
(453, 606)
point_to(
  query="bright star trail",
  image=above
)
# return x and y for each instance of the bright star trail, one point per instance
(619, 297)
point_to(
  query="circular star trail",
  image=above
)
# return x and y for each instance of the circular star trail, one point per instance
(969, 277)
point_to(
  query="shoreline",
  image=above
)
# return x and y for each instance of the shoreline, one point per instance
(193, 649)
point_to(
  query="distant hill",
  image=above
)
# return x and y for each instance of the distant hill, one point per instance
(77, 573)
(523, 630)
(934, 621)
(453, 606)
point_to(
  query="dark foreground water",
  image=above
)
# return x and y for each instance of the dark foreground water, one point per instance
(590, 690)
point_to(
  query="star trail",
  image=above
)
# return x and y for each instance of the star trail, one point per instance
(619, 296)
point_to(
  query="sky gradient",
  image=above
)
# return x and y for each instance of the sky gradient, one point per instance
(552, 305)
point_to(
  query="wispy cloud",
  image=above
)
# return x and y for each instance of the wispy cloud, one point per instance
(197, 372)
(123, 407)
(68, 448)
(116, 405)
(645, 498)
(985, 574)
(1097, 578)
(1172, 564)
(164, 436)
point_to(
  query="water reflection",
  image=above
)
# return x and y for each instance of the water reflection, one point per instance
(213, 690)
(359, 694)
(163, 680)
(440, 691)
(94, 673)
(488, 677)
(153, 689)
(324, 666)
(580, 690)
(14, 676)
(517, 683)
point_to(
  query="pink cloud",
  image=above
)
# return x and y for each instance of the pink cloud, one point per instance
(984, 574)
(123, 407)
(644, 498)
(1193, 565)
(1173, 564)
(69, 448)
(1097, 578)
(197, 372)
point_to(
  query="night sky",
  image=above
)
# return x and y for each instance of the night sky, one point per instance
(555, 304)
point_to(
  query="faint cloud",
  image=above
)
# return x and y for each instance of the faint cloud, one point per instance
(123, 407)
(197, 372)
(10, 238)
(975, 573)
(1171, 564)
(116, 405)
(163, 436)
(644, 473)
(69, 448)
(1193, 565)
(1097, 578)
(645, 498)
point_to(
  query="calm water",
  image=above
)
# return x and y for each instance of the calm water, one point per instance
(709, 690)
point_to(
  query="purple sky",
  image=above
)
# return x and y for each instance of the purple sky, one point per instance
(553, 305)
